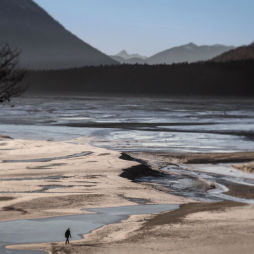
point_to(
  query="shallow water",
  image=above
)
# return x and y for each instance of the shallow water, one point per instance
(186, 180)
(52, 229)
(135, 124)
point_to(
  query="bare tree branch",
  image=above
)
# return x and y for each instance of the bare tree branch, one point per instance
(10, 74)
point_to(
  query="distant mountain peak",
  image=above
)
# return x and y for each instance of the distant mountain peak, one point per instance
(123, 52)
(188, 53)
(125, 55)
(189, 46)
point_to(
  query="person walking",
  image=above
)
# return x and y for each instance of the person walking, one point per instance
(67, 236)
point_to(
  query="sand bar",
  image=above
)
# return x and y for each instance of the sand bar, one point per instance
(34, 188)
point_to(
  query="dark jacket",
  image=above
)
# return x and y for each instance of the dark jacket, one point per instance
(67, 233)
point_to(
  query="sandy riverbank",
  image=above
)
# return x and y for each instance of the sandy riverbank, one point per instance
(38, 181)
(43, 179)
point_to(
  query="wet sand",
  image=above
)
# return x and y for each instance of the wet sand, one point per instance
(225, 227)
(241, 191)
(34, 188)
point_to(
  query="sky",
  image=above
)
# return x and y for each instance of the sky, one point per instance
(150, 26)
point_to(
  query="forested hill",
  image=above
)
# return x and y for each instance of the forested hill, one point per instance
(239, 54)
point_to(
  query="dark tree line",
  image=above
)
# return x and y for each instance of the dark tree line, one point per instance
(10, 74)
(204, 78)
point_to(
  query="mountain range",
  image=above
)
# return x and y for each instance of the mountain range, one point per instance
(43, 42)
(186, 53)
(125, 55)
(124, 58)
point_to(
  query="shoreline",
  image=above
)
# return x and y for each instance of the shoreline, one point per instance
(131, 233)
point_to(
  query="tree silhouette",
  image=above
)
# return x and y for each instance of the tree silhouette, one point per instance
(10, 74)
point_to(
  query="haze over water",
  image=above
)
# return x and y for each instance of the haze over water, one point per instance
(135, 124)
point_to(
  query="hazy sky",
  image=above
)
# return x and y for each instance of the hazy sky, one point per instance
(149, 26)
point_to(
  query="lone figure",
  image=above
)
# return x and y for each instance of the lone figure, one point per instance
(67, 235)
